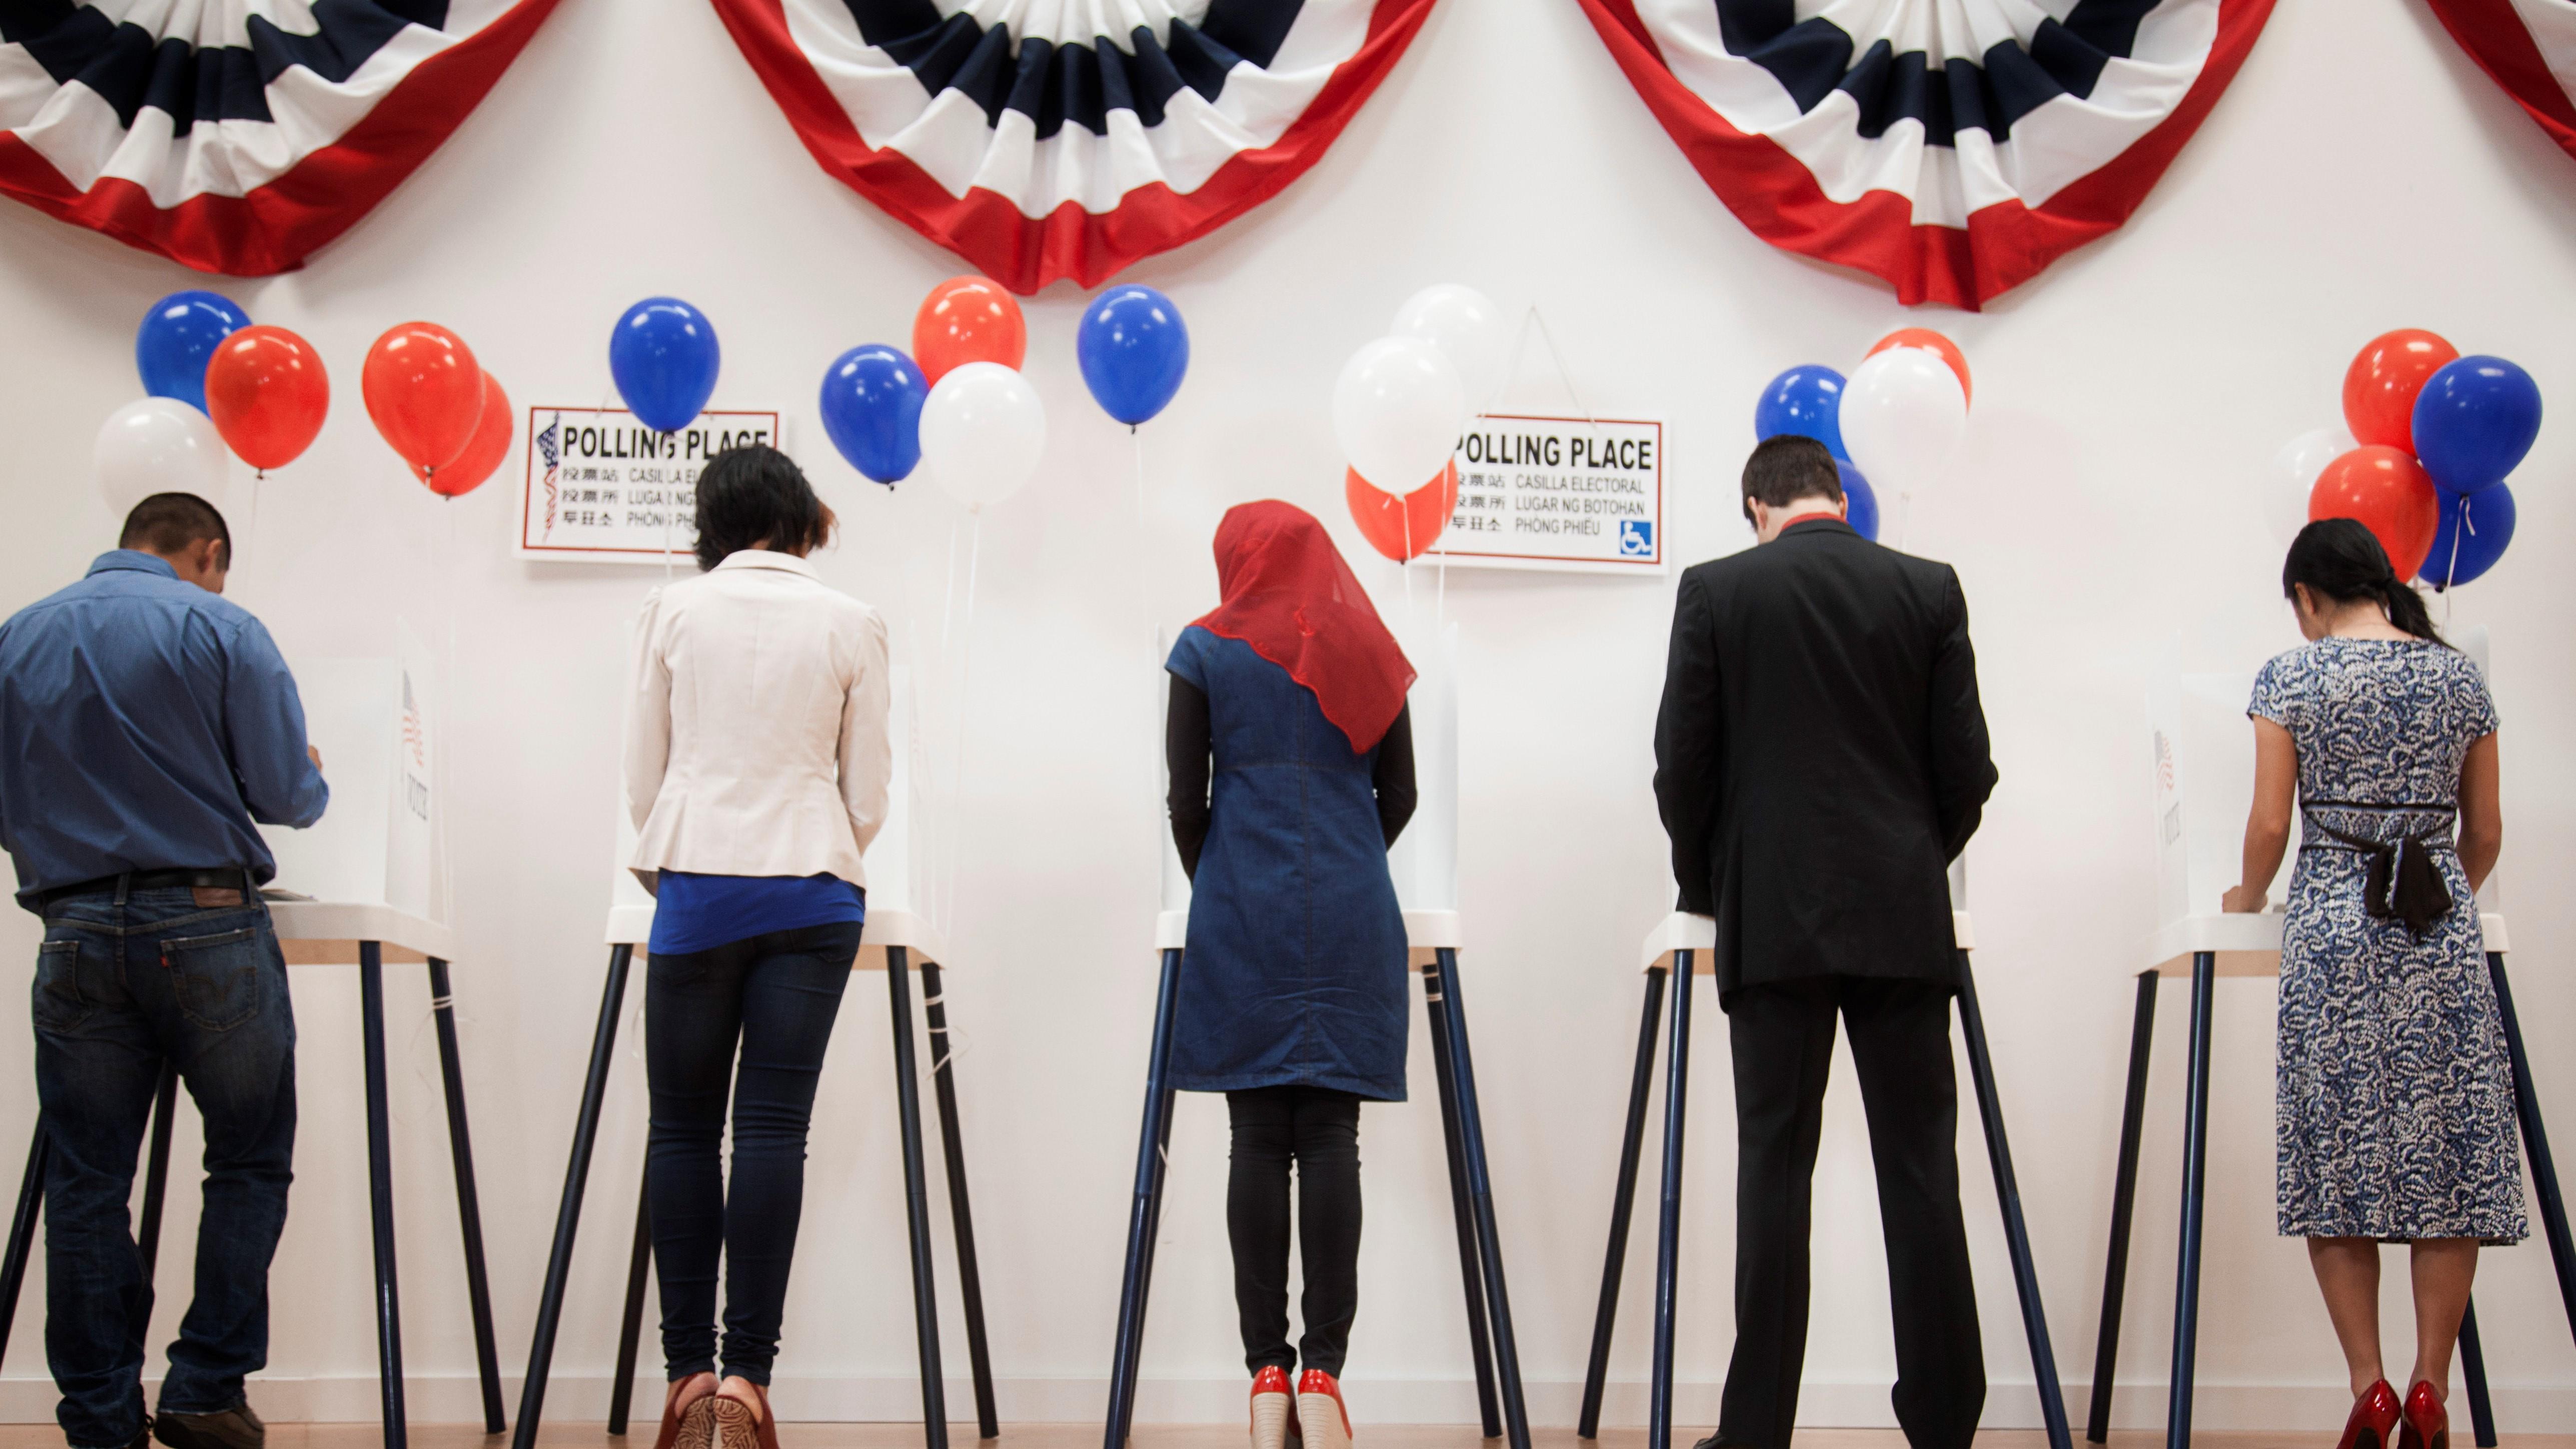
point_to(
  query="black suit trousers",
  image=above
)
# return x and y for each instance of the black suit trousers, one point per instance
(1783, 1040)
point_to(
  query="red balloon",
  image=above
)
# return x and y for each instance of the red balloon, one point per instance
(968, 319)
(425, 391)
(2379, 388)
(2391, 495)
(482, 457)
(1931, 341)
(1402, 528)
(268, 394)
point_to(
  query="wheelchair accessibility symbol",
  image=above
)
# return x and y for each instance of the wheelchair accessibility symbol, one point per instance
(1636, 538)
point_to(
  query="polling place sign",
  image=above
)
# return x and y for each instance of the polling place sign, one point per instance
(603, 488)
(1579, 495)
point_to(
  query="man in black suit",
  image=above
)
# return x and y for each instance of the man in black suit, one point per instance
(1820, 758)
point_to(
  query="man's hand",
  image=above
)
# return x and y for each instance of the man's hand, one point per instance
(314, 752)
(2243, 901)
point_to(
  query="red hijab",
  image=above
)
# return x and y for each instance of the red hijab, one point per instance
(1289, 595)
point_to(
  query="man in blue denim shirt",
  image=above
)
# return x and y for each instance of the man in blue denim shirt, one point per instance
(145, 723)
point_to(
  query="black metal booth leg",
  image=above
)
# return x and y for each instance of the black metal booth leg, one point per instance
(2124, 1204)
(630, 1325)
(2195, 1181)
(1623, 1206)
(1471, 1275)
(2535, 1142)
(469, 1203)
(1480, 1183)
(916, 1200)
(961, 1216)
(1143, 1211)
(156, 1172)
(1668, 1221)
(380, 1189)
(585, 1131)
(2473, 1372)
(22, 1229)
(2034, 1313)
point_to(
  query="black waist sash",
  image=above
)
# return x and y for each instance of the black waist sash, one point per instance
(2400, 882)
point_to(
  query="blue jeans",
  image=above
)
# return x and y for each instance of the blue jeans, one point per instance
(124, 983)
(772, 997)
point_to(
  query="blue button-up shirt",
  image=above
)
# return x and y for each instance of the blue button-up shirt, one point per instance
(144, 725)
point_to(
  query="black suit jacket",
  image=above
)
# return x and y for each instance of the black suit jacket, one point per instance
(1821, 757)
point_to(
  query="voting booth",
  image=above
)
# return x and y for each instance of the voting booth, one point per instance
(899, 937)
(1682, 944)
(2202, 750)
(1424, 865)
(363, 886)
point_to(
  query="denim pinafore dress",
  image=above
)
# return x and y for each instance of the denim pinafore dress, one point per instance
(1294, 974)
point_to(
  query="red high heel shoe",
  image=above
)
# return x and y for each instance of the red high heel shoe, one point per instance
(2374, 1415)
(2428, 1424)
(1274, 1410)
(1320, 1409)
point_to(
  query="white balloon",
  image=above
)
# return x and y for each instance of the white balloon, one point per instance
(1398, 410)
(158, 445)
(1903, 416)
(2294, 477)
(1468, 329)
(983, 431)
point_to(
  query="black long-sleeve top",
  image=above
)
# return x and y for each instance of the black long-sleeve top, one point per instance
(1187, 740)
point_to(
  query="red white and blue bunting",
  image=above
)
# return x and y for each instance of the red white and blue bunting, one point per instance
(237, 136)
(1042, 140)
(2529, 47)
(1953, 147)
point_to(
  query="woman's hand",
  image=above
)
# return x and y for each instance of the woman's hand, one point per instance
(2244, 900)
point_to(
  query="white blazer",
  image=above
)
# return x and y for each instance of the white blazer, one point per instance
(756, 730)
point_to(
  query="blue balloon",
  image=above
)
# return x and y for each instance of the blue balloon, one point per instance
(177, 338)
(1134, 350)
(2473, 422)
(664, 357)
(872, 399)
(2460, 554)
(1860, 501)
(1806, 401)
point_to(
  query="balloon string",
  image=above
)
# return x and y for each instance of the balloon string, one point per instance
(948, 591)
(1139, 438)
(447, 687)
(2451, 570)
(965, 698)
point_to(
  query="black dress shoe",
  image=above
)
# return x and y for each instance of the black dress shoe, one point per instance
(230, 1429)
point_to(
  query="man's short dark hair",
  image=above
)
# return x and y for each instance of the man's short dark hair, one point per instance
(1786, 468)
(755, 496)
(170, 523)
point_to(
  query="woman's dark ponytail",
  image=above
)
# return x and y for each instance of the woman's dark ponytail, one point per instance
(2406, 609)
(2339, 559)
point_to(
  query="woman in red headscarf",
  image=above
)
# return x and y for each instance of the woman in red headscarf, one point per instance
(1292, 993)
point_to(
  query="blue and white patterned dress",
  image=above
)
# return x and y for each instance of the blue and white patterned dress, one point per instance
(2396, 1112)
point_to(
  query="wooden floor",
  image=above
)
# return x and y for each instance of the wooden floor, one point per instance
(1185, 1436)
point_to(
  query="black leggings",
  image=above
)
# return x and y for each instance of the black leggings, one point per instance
(1319, 1131)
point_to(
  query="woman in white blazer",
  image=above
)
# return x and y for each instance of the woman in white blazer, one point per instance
(756, 768)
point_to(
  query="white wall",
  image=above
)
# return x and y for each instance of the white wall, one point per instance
(2360, 175)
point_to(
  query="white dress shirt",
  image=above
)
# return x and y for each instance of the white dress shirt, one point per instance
(756, 732)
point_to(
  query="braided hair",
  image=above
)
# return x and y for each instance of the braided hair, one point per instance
(2339, 559)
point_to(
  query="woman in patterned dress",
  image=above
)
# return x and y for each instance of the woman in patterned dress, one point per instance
(2396, 1115)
